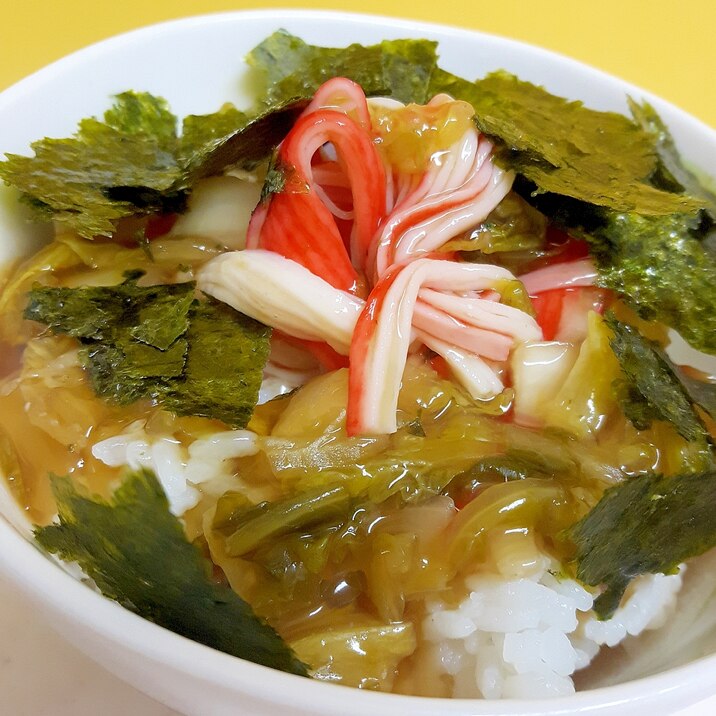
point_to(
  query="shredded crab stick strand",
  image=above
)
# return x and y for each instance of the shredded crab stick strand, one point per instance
(431, 320)
(289, 226)
(299, 222)
(452, 168)
(429, 235)
(486, 314)
(295, 223)
(357, 156)
(297, 215)
(454, 195)
(330, 181)
(345, 96)
(568, 274)
(283, 294)
(481, 381)
(385, 330)
(418, 204)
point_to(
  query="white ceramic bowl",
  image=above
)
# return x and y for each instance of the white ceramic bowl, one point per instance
(197, 65)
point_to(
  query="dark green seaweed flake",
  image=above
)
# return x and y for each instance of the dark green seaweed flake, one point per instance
(159, 343)
(136, 552)
(645, 525)
(651, 389)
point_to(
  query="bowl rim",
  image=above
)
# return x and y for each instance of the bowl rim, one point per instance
(36, 575)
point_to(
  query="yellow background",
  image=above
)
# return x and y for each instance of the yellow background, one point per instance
(666, 46)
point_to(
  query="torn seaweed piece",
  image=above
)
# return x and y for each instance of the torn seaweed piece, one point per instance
(155, 315)
(291, 68)
(129, 371)
(140, 113)
(247, 146)
(108, 170)
(159, 343)
(671, 173)
(701, 392)
(136, 552)
(645, 525)
(651, 389)
(133, 163)
(224, 365)
(660, 266)
(563, 147)
(200, 131)
(275, 181)
(162, 321)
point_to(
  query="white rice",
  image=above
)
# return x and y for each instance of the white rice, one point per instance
(178, 468)
(525, 637)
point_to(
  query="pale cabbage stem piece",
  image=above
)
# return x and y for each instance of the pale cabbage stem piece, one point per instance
(282, 294)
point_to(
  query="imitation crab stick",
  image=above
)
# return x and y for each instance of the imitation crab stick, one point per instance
(567, 274)
(283, 294)
(562, 294)
(432, 320)
(296, 222)
(345, 96)
(378, 333)
(329, 227)
(384, 332)
(453, 195)
(473, 373)
(486, 314)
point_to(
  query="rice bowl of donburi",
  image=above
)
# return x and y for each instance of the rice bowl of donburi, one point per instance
(331, 358)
